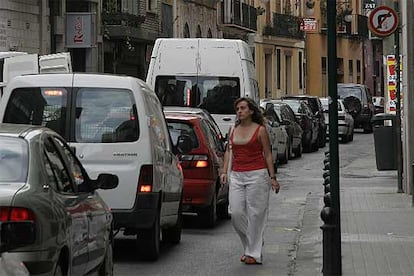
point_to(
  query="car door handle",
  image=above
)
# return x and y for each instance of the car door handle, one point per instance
(226, 119)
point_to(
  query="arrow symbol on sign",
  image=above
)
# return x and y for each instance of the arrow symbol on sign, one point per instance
(381, 18)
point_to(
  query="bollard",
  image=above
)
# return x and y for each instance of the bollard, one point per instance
(328, 240)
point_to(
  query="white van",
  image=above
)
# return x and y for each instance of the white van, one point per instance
(115, 124)
(203, 72)
(14, 64)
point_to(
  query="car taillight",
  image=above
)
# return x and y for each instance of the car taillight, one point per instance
(194, 161)
(145, 179)
(16, 214)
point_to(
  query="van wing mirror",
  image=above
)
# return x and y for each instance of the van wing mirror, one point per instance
(184, 144)
(15, 234)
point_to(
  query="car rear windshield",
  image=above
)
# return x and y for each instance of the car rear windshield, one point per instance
(106, 115)
(38, 106)
(344, 92)
(215, 94)
(177, 128)
(13, 160)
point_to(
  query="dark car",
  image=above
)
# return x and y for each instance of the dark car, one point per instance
(308, 122)
(294, 130)
(43, 182)
(317, 110)
(287, 118)
(357, 99)
(202, 191)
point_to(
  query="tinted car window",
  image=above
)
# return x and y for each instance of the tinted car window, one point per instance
(56, 166)
(179, 128)
(13, 160)
(105, 116)
(38, 106)
(215, 94)
(344, 92)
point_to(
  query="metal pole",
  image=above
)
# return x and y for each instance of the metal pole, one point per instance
(398, 103)
(333, 138)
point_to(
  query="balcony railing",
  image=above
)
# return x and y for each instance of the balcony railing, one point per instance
(284, 25)
(122, 19)
(233, 12)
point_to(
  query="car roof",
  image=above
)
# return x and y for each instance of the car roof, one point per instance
(16, 130)
(182, 116)
(350, 85)
(300, 97)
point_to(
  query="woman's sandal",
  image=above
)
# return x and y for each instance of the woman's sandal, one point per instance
(251, 261)
(243, 258)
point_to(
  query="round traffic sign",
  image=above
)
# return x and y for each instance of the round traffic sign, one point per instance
(383, 21)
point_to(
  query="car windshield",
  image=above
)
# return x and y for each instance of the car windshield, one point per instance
(215, 94)
(344, 92)
(13, 160)
(325, 105)
(295, 105)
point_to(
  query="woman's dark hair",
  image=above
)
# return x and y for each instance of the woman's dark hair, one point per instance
(257, 115)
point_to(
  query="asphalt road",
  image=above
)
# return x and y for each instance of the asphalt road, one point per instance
(217, 251)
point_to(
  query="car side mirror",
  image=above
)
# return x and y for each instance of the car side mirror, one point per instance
(15, 234)
(184, 144)
(107, 181)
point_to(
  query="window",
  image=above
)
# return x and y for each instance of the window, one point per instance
(106, 115)
(186, 30)
(300, 65)
(177, 128)
(56, 169)
(75, 169)
(350, 70)
(198, 35)
(278, 68)
(323, 62)
(151, 5)
(38, 106)
(13, 160)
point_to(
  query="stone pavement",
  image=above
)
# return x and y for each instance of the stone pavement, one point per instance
(377, 225)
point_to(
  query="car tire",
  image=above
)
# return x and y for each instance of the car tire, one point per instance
(107, 266)
(322, 138)
(223, 210)
(209, 214)
(149, 241)
(298, 151)
(173, 234)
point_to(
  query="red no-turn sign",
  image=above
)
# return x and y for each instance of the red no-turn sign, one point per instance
(383, 21)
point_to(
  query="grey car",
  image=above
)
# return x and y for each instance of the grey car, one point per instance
(42, 181)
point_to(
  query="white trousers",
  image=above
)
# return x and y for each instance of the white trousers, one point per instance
(249, 205)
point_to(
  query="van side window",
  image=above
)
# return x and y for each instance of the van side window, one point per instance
(158, 126)
(105, 115)
(38, 106)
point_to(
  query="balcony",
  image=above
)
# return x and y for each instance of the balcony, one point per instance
(239, 15)
(122, 19)
(285, 25)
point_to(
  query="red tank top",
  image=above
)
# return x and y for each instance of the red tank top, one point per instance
(248, 157)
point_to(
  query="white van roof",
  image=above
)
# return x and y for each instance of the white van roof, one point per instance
(207, 56)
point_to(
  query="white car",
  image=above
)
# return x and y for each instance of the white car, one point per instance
(345, 120)
(281, 148)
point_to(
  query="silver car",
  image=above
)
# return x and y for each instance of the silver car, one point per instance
(42, 181)
(345, 120)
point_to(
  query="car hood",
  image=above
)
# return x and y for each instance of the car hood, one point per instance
(7, 192)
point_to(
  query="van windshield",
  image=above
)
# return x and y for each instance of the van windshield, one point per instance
(215, 94)
(344, 92)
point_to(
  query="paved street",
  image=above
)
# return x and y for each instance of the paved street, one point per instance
(377, 223)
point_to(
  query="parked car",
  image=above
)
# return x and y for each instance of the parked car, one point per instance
(114, 124)
(317, 110)
(358, 101)
(14, 235)
(308, 122)
(288, 119)
(202, 190)
(44, 183)
(379, 104)
(345, 121)
(281, 146)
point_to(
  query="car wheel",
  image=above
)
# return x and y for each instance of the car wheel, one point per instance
(351, 136)
(290, 152)
(107, 266)
(322, 139)
(173, 234)
(59, 271)
(298, 151)
(223, 210)
(209, 215)
(345, 139)
(149, 241)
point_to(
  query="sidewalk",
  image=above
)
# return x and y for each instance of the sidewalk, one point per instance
(377, 225)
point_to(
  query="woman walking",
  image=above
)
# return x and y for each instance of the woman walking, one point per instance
(252, 172)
